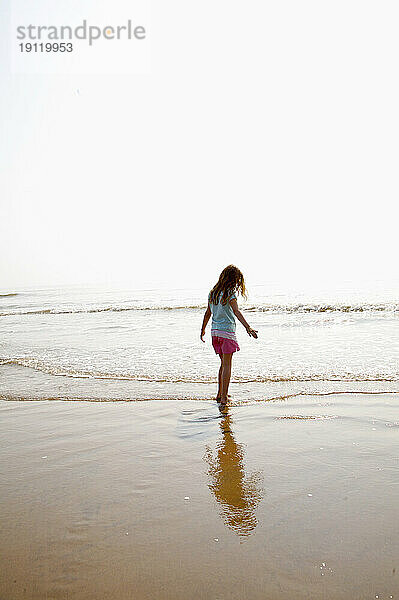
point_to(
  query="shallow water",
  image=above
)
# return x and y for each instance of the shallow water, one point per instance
(175, 499)
(340, 338)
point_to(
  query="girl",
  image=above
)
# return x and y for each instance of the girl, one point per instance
(222, 305)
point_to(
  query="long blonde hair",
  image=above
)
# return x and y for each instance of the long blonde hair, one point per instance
(230, 280)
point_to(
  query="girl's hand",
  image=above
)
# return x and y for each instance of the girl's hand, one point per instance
(202, 336)
(252, 332)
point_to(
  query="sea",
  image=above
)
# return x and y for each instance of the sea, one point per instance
(105, 343)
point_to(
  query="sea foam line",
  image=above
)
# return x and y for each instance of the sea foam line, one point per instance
(232, 403)
(60, 371)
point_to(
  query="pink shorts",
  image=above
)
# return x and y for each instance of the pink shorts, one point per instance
(223, 345)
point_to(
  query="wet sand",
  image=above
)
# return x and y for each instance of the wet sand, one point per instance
(172, 499)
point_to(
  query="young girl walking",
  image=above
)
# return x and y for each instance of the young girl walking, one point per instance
(222, 305)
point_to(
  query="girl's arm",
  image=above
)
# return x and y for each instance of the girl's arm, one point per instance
(207, 316)
(240, 317)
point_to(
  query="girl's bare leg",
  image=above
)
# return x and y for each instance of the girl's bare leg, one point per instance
(226, 374)
(219, 379)
(218, 395)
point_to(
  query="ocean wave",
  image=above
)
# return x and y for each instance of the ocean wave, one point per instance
(87, 310)
(60, 371)
(383, 307)
(326, 308)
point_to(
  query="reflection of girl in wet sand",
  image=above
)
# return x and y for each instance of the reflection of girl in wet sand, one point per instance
(222, 305)
(237, 494)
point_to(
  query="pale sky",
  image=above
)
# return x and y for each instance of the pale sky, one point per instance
(266, 135)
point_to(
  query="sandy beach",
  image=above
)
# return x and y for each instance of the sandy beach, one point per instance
(294, 498)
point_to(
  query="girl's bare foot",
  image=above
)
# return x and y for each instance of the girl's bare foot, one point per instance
(218, 397)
